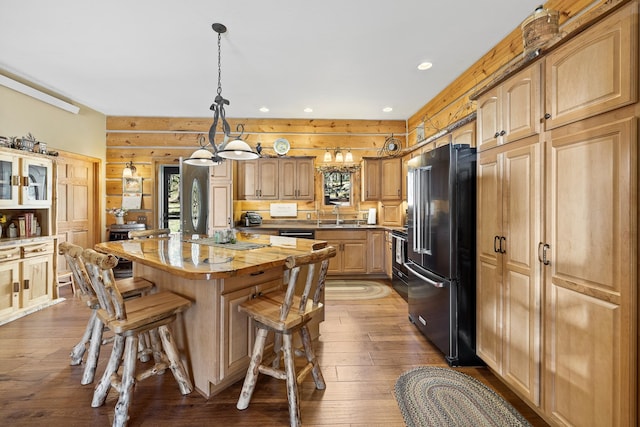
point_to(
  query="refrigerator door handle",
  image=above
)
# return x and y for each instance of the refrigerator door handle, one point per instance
(426, 279)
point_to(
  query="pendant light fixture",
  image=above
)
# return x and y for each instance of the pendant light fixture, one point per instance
(348, 157)
(233, 148)
(327, 156)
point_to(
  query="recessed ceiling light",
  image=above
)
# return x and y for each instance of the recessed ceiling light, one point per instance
(308, 110)
(424, 66)
(264, 109)
(387, 109)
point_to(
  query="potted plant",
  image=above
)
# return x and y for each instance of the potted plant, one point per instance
(118, 213)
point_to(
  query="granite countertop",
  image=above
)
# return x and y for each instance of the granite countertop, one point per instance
(191, 259)
(313, 225)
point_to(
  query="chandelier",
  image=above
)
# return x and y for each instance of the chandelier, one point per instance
(233, 148)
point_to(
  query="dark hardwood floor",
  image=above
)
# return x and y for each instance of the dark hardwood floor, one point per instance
(364, 347)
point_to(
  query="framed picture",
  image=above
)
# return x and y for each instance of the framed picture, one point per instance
(132, 185)
(420, 132)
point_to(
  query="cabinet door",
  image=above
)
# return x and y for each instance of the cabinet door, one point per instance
(305, 179)
(9, 176)
(10, 288)
(375, 251)
(521, 281)
(371, 180)
(268, 179)
(221, 209)
(488, 120)
(335, 263)
(489, 262)
(37, 280)
(520, 104)
(247, 180)
(595, 72)
(288, 181)
(391, 214)
(591, 281)
(36, 182)
(354, 256)
(391, 183)
(237, 331)
(465, 135)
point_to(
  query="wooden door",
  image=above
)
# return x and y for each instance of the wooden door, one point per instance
(391, 183)
(489, 260)
(591, 281)
(520, 104)
(268, 185)
(488, 120)
(521, 279)
(595, 72)
(76, 203)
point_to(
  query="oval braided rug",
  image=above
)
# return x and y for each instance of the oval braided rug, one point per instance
(432, 396)
(349, 290)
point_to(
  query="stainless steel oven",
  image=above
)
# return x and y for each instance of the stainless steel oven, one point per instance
(399, 278)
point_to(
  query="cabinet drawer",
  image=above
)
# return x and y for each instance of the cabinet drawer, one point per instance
(235, 283)
(29, 251)
(9, 253)
(341, 235)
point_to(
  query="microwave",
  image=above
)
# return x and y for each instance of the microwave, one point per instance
(250, 219)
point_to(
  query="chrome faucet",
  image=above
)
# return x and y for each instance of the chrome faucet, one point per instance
(336, 210)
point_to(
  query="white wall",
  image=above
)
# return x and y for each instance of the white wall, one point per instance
(82, 133)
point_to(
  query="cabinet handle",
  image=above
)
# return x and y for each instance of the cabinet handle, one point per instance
(547, 116)
(26, 284)
(15, 180)
(544, 247)
(503, 239)
(496, 239)
(497, 134)
(256, 273)
(25, 181)
(502, 132)
(16, 286)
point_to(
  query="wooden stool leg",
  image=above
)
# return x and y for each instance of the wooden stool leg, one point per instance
(128, 381)
(311, 358)
(179, 373)
(277, 349)
(78, 350)
(252, 372)
(94, 352)
(292, 383)
(102, 388)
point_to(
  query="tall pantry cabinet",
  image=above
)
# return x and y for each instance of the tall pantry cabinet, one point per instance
(558, 235)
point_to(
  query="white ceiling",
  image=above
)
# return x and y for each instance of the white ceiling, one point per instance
(346, 59)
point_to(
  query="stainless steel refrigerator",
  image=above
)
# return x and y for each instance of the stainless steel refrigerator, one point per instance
(441, 250)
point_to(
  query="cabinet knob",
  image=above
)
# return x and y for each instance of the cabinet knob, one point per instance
(497, 134)
(502, 132)
(547, 116)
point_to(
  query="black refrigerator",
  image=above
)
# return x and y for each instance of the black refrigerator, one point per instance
(441, 250)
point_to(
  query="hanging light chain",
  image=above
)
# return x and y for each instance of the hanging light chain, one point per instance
(219, 65)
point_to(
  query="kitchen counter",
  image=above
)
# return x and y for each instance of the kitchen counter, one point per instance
(214, 338)
(301, 225)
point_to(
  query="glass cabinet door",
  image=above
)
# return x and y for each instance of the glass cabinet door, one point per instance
(36, 182)
(8, 180)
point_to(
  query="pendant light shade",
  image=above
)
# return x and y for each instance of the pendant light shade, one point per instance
(339, 157)
(348, 157)
(327, 156)
(237, 150)
(203, 157)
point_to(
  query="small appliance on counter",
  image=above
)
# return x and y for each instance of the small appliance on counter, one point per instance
(371, 216)
(250, 219)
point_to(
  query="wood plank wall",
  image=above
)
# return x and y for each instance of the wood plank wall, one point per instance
(152, 141)
(453, 102)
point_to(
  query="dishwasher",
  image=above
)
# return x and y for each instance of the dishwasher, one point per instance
(298, 234)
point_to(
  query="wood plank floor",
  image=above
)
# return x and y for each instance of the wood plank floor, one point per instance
(364, 347)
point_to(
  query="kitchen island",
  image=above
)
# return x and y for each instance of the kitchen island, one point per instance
(213, 337)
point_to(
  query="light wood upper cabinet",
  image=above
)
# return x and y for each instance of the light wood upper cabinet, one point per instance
(258, 179)
(465, 134)
(511, 110)
(508, 272)
(25, 180)
(591, 279)
(595, 72)
(296, 178)
(382, 179)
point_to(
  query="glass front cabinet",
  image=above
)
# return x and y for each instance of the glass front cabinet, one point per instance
(25, 181)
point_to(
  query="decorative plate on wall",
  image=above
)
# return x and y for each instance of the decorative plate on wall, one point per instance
(281, 146)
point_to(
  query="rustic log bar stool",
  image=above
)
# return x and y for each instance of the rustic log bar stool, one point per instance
(92, 337)
(128, 319)
(286, 313)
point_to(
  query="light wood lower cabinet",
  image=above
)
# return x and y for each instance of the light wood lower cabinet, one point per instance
(508, 272)
(375, 251)
(351, 247)
(26, 276)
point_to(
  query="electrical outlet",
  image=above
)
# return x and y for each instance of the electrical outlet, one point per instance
(308, 215)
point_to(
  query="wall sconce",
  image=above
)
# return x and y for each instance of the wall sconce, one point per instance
(327, 156)
(348, 157)
(339, 157)
(129, 170)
